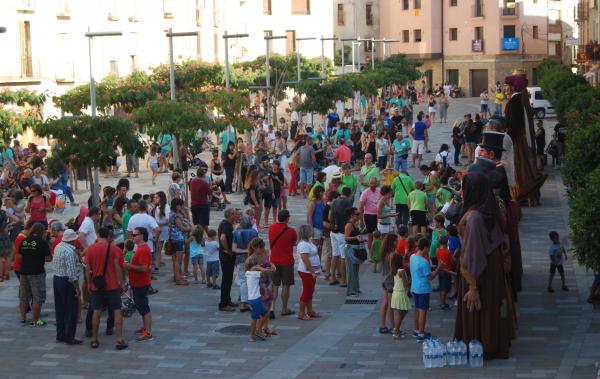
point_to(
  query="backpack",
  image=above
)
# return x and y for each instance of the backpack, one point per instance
(444, 159)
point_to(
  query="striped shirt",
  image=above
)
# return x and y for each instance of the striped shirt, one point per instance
(66, 262)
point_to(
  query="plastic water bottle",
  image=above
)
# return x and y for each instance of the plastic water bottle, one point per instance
(475, 353)
(444, 354)
(450, 353)
(462, 353)
(426, 354)
(479, 354)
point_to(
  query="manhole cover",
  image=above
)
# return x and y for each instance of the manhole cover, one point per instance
(360, 301)
(235, 330)
(351, 366)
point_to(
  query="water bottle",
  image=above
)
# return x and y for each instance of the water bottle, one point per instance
(435, 355)
(462, 352)
(475, 354)
(479, 360)
(426, 354)
(444, 354)
(450, 353)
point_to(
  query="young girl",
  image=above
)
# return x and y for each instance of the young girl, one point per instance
(197, 253)
(376, 251)
(387, 249)
(400, 303)
(153, 163)
(254, 273)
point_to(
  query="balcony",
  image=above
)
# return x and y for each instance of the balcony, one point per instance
(478, 10)
(26, 6)
(510, 10)
(65, 72)
(477, 46)
(582, 12)
(23, 72)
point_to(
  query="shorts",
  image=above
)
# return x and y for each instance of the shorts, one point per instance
(32, 288)
(421, 301)
(484, 108)
(418, 147)
(431, 109)
(275, 202)
(257, 308)
(553, 268)
(418, 218)
(385, 228)
(283, 275)
(201, 214)
(306, 175)
(268, 200)
(337, 245)
(198, 259)
(179, 246)
(445, 281)
(317, 234)
(140, 298)
(154, 166)
(109, 299)
(213, 269)
(164, 152)
(370, 223)
(326, 247)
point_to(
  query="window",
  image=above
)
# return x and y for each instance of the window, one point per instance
(453, 34)
(405, 36)
(168, 8)
(113, 10)
(478, 8)
(510, 8)
(417, 34)
(114, 68)
(62, 9)
(64, 58)
(478, 33)
(452, 76)
(535, 32)
(368, 46)
(133, 65)
(26, 55)
(404, 4)
(553, 49)
(290, 41)
(553, 17)
(509, 31)
(417, 4)
(300, 6)
(133, 11)
(340, 14)
(369, 14)
(267, 7)
(534, 76)
(453, 3)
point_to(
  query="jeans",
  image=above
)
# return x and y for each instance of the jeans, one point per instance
(351, 273)
(227, 268)
(382, 162)
(241, 277)
(229, 172)
(65, 305)
(456, 152)
(65, 189)
(400, 164)
(132, 162)
(499, 109)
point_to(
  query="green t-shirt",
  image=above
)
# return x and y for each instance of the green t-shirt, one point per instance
(167, 141)
(399, 146)
(349, 181)
(434, 186)
(128, 256)
(125, 222)
(435, 241)
(367, 173)
(401, 192)
(417, 200)
(443, 195)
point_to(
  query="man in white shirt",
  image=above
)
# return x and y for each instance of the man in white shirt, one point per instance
(143, 220)
(87, 229)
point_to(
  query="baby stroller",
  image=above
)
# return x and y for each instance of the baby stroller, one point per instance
(127, 304)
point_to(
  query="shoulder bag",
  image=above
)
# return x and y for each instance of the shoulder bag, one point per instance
(100, 280)
(278, 236)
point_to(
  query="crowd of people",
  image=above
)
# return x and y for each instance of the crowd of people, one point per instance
(455, 221)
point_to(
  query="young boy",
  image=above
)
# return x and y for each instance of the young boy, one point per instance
(402, 243)
(417, 204)
(558, 255)
(258, 311)
(436, 234)
(420, 272)
(446, 264)
(211, 247)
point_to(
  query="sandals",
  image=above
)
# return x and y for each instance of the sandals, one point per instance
(94, 344)
(121, 345)
(314, 315)
(152, 291)
(384, 330)
(335, 282)
(182, 282)
(288, 312)
(304, 318)
(268, 332)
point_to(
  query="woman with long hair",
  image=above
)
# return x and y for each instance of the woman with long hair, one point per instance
(388, 249)
(386, 213)
(315, 216)
(38, 205)
(354, 244)
(309, 268)
(161, 212)
(178, 228)
(253, 194)
(229, 163)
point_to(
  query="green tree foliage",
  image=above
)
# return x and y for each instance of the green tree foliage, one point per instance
(15, 121)
(578, 106)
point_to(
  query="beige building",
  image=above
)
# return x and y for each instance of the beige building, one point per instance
(588, 56)
(474, 43)
(356, 19)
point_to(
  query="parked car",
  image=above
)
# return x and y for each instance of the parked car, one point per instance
(540, 106)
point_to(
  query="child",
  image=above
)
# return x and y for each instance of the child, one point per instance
(197, 253)
(402, 244)
(258, 313)
(400, 302)
(558, 255)
(129, 246)
(153, 162)
(446, 264)
(436, 234)
(387, 284)
(376, 250)
(421, 276)
(211, 246)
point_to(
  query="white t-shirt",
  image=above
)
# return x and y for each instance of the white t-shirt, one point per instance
(295, 117)
(253, 283)
(440, 157)
(212, 251)
(309, 248)
(163, 222)
(143, 220)
(484, 97)
(87, 228)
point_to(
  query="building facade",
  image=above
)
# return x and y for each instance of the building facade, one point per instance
(46, 48)
(356, 19)
(474, 43)
(588, 56)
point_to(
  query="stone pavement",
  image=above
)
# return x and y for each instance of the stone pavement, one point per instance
(558, 337)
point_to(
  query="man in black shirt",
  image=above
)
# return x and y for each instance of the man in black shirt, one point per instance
(266, 185)
(38, 159)
(337, 222)
(35, 252)
(278, 181)
(227, 258)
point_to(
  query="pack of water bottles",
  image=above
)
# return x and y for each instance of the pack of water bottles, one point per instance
(453, 353)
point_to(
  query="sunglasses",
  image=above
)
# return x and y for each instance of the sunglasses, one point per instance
(135, 234)
(357, 214)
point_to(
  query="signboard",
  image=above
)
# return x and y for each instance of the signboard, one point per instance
(510, 44)
(477, 45)
(571, 41)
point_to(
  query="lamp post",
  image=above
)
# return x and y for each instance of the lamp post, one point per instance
(90, 35)
(226, 37)
(344, 40)
(323, 39)
(298, 56)
(268, 73)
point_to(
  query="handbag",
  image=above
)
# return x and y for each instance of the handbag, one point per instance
(360, 253)
(100, 280)
(169, 248)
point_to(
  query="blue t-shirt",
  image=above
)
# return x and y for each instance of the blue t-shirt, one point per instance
(454, 243)
(212, 251)
(195, 249)
(420, 127)
(552, 252)
(242, 237)
(419, 271)
(332, 120)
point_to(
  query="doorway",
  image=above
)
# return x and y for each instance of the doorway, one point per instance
(479, 81)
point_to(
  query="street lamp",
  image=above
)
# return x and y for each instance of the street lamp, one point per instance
(323, 39)
(344, 40)
(298, 53)
(170, 35)
(90, 35)
(226, 38)
(268, 74)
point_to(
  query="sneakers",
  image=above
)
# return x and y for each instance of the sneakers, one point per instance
(550, 289)
(140, 331)
(227, 308)
(38, 323)
(256, 338)
(445, 307)
(144, 336)
(209, 285)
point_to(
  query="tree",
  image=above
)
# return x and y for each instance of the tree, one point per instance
(24, 113)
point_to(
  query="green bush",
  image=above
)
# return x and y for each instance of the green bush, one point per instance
(585, 208)
(582, 156)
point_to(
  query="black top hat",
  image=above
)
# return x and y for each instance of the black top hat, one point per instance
(492, 141)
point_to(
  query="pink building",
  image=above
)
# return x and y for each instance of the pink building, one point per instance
(473, 43)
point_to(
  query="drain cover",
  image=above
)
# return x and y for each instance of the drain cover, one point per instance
(360, 301)
(351, 366)
(235, 330)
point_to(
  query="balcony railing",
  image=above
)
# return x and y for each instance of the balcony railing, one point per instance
(510, 9)
(477, 10)
(583, 10)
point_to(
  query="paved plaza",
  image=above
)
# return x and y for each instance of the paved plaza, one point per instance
(558, 335)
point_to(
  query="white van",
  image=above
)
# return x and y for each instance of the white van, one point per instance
(540, 106)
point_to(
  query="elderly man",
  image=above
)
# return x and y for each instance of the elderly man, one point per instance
(367, 171)
(66, 288)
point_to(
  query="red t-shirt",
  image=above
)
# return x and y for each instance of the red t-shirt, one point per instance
(17, 258)
(444, 255)
(401, 246)
(142, 256)
(199, 191)
(94, 259)
(283, 253)
(343, 154)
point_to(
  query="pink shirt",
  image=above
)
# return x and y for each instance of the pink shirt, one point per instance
(369, 199)
(343, 154)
